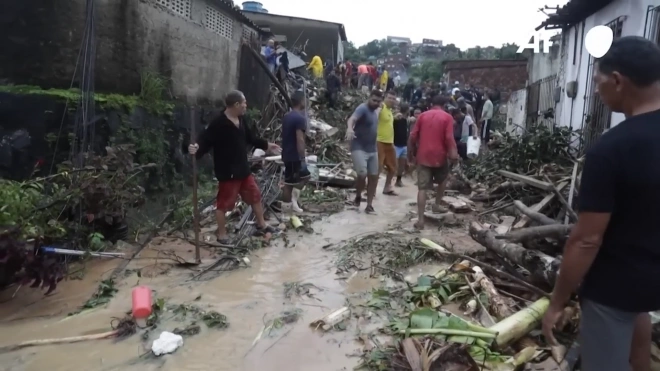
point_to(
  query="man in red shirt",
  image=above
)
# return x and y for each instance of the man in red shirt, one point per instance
(432, 148)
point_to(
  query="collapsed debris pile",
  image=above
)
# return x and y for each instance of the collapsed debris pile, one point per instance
(472, 315)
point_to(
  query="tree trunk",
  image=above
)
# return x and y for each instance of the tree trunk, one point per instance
(557, 232)
(543, 268)
(535, 216)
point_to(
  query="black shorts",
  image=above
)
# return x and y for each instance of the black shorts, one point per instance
(295, 172)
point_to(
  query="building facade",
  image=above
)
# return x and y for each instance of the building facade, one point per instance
(579, 105)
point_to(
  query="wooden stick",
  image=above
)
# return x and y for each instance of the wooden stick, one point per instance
(556, 231)
(69, 340)
(534, 215)
(193, 136)
(561, 199)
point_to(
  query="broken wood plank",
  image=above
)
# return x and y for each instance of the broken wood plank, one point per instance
(505, 226)
(456, 205)
(522, 223)
(527, 180)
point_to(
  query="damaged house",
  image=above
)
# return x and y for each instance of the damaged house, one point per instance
(315, 37)
(579, 105)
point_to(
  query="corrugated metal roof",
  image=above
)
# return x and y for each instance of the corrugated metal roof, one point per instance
(574, 12)
(342, 30)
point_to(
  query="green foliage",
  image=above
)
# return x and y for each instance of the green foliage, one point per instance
(428, 70)
(104, 190)
(538, 145)
(111, 101)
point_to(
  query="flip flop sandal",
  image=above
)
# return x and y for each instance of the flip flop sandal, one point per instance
(390, 193)
(224, 241)
(369, 210)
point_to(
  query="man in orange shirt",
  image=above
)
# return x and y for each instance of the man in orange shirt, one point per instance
(432, 148)
(363, 77)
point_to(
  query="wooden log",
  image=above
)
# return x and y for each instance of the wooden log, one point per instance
(500, 305)
(543, 268)
(556, 231)
(532, 214)
(506, 186)
(522, 223)
(527, 180)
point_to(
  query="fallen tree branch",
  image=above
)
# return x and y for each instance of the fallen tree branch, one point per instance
(496, 271)
(556, 231)
(543, 268)
(561, 199)
(499, 305)
(535, 216)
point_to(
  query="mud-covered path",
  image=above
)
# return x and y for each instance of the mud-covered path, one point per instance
(246, 296)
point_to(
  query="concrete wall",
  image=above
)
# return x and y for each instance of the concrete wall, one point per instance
(516, 111)
(43, 37)
(572, 110)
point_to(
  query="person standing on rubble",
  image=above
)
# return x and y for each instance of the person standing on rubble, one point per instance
(432, 148)
(271, 56)
(373, 76)
(333, 87)
(362, 132)
(363, 77)
(229, 137)
(294, 125)
(385, 142)
(486, 118)
(612, 256)
(401, 134)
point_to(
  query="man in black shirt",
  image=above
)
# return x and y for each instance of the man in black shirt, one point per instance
(229, 138)
(401, 133)
(613, 253)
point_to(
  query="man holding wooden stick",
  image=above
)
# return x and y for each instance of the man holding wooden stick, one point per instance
(229, 137)
(613, 252)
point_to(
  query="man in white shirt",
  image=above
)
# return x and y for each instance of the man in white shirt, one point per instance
(486, 118)
(397, 80)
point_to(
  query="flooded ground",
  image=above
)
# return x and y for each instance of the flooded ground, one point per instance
(248, 297)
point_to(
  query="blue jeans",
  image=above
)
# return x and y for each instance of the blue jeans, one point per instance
(401, 152)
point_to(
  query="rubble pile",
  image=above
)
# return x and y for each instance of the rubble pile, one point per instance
(327, 125)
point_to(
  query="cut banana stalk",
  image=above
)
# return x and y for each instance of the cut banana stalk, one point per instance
(328, 322)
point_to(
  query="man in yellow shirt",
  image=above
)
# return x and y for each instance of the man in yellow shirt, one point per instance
(385, 142)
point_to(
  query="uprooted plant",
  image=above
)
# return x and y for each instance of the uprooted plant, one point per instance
(86, 198)
(528, 152)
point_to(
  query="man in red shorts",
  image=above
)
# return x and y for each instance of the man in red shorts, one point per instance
(229, 138)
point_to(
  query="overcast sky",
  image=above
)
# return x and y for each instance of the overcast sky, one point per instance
(465, 23)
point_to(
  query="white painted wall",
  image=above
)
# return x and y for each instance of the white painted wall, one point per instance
(572, 110)
(516, 111)
(542, 65)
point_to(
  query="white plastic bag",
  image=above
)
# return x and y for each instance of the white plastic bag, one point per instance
(473, 147)
(166, 343)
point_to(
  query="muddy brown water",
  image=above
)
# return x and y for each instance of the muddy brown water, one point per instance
(248, 297)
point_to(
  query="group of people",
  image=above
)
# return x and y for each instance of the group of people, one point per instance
(612, 253)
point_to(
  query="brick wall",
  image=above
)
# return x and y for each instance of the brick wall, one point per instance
(506, 76)
(42, 40)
